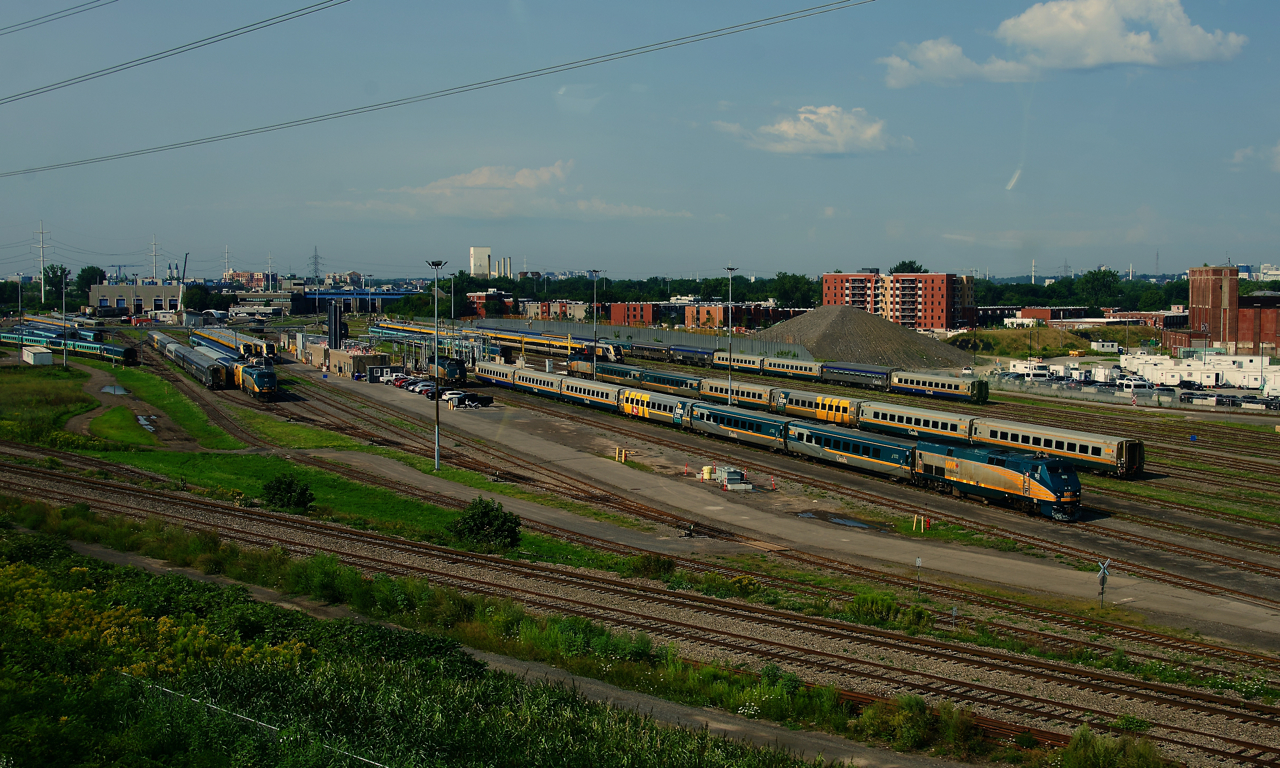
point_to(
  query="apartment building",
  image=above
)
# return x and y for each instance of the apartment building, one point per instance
(927, 300)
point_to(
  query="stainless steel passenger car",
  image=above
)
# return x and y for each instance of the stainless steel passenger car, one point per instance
(1120, 456)
(740, 362)
(914, 422)
(597, 394)
(744, 394)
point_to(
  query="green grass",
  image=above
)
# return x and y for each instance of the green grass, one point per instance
(37, 401)
(291, 435)
(1258, 506)
(155, 391)
(120, 425)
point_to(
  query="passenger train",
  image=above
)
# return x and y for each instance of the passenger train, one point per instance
(57, 341)
(1035, 483)
(216, 368)
(1112, 455)
(240, 344)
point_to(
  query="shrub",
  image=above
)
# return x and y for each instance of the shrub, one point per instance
(1089, 750)
(485, 524)
(286, 491)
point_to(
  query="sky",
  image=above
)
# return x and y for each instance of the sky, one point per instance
(966, 136)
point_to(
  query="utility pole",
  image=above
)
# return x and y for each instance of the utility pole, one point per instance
(435, 350)
(226, 262)
(153, 258)
(42, 246)
(65, 330)
(731, 269)
(595, 312)
(271, 275)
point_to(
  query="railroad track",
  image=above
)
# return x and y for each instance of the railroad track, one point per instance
(908, 508)
(563, 482)
(1130, 426)
(1056, 618)
(591, 589)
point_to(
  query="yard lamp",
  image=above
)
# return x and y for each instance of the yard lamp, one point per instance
(435, 349)
(595, 318)
(730, 270)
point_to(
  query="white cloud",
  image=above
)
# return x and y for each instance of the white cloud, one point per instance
(497, 192)
(943, 62)
(1269, 155)
(1071, 34)
(820, 131)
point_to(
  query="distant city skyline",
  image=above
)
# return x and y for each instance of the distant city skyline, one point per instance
(1078, 132)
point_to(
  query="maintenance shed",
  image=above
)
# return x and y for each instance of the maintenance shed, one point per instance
(37, 356)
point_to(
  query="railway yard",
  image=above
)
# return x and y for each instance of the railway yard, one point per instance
(994, 610)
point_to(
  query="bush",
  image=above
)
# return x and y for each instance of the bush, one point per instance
(286, 491)
(485, 524)
(1089, 750)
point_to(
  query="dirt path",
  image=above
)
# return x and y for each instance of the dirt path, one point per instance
(171, 436)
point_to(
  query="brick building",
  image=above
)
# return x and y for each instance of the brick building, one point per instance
(716, 315)
(927, 300)
(1046, 314)
(1176, 318)
(645, 313)
(1215, 302)
(1257, 320)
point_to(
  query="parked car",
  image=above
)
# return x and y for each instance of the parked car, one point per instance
(452, 394)
(1190, 386)
(393, 378)
(1164, 392)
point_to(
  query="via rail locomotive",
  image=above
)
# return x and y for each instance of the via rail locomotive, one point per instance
(1035, 483)
(1118, 456)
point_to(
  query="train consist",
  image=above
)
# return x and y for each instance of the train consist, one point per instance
(846, 374)
(218, 368)
(1035, 483)
(876, 377)
(237, 344)
(71, 341)
(1101, 453)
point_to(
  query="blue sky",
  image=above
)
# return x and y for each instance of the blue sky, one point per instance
(889, 131)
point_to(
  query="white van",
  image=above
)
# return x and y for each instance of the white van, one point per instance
(1135, 385)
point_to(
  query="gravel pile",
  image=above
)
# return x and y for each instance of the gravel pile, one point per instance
(853, 335)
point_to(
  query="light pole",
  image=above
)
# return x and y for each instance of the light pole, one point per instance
(730, 270)
(64, 320)
(435, 347)
(595, 312)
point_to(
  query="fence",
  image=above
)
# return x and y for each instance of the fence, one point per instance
(741, 344)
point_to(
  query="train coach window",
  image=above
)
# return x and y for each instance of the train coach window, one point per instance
(1004, 436)
(875, 453)
(1057, 445)
(1035, 441)
(955, 428)
(917, 424)
(934, 425)
(1071, 447)
(1084, 449)
(866, 450)
(1096, 450)
(1026, 439)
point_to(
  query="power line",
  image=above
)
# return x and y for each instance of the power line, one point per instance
(55, 16)
(218, 38)
(457, 90)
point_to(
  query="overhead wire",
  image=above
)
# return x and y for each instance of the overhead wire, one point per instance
(212, 39)
(461, 89)
(55, 16)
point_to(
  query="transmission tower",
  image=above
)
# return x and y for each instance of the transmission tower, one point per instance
(315, 274)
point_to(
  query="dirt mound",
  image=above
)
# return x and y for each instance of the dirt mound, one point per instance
(852, 335)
